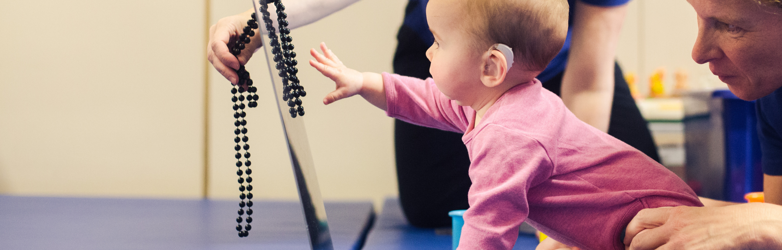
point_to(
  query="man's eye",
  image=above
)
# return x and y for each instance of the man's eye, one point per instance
(732, 28)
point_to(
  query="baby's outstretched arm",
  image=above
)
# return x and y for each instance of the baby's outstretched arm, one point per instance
(349, 81)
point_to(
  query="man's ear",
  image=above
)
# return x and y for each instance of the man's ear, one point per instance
(494, 68)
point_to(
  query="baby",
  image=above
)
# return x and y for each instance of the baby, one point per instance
(532, 159)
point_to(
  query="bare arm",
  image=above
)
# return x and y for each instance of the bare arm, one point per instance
(300, 13)
(588, 82)
(715, 203)
(772, 189)
(303, 12)
(772, 192)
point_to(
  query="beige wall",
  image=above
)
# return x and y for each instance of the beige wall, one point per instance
(101, 98)
(109, 98)
(660, 34)
(351, 141)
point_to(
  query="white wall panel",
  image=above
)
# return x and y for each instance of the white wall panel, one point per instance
(668, 32)
(106, 98)
(628, 48)
(101, 98)
(351, 141)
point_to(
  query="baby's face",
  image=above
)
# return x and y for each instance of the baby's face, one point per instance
(456, 66)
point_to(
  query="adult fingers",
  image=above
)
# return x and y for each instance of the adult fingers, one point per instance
(228, 73)
(651, 238)
(218, 53)
(667, 246)
(223, 54)
(646, 219)
(219, 39)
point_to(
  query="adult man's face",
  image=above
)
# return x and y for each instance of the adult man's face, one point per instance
(742, 42)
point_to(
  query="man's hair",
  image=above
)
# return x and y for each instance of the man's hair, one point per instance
(535, 29)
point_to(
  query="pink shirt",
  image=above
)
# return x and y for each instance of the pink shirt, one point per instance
(533, 160)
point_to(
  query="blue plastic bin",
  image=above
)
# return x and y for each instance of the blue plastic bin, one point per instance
(457, 222)
(722, 147)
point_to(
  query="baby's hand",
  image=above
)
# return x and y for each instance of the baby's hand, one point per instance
(349, 81)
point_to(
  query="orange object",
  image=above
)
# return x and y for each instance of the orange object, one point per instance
(682, 85)
(630, 79)
(754, 197)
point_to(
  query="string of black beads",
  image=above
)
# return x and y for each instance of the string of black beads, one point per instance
(284, 56)
(243, 91)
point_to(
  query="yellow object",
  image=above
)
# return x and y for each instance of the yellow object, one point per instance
(541, 236)
(754, 197)
(656, 83)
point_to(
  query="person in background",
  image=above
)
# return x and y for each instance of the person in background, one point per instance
(432, 165)
(739, 39)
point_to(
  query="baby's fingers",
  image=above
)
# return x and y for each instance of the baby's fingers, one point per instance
(322, 59)
(330, 55)
(336, 95)
(326, 70)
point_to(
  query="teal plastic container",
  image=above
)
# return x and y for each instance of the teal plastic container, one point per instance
(457, 222)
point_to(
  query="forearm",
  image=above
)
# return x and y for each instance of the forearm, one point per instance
(303, 12)
(767, 230)
(588, 82)
(772, 189)
(373, 90)
(715, 203)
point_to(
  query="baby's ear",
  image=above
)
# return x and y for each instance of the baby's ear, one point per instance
(494, 68)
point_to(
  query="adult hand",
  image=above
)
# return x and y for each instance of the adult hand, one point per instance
(743, 226)
(223, 33)
(551, 244)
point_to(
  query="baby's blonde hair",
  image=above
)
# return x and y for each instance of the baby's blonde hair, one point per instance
(535, 29)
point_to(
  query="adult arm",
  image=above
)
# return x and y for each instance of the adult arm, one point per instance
(300, 13)
(772, 189)
(715, 203)
(303, 12)
(588, 81)
(770, 138)
(743, 226)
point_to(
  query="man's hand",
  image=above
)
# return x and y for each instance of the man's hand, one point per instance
(743, 226)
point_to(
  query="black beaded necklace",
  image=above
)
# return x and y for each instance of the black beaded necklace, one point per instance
(244, 90)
